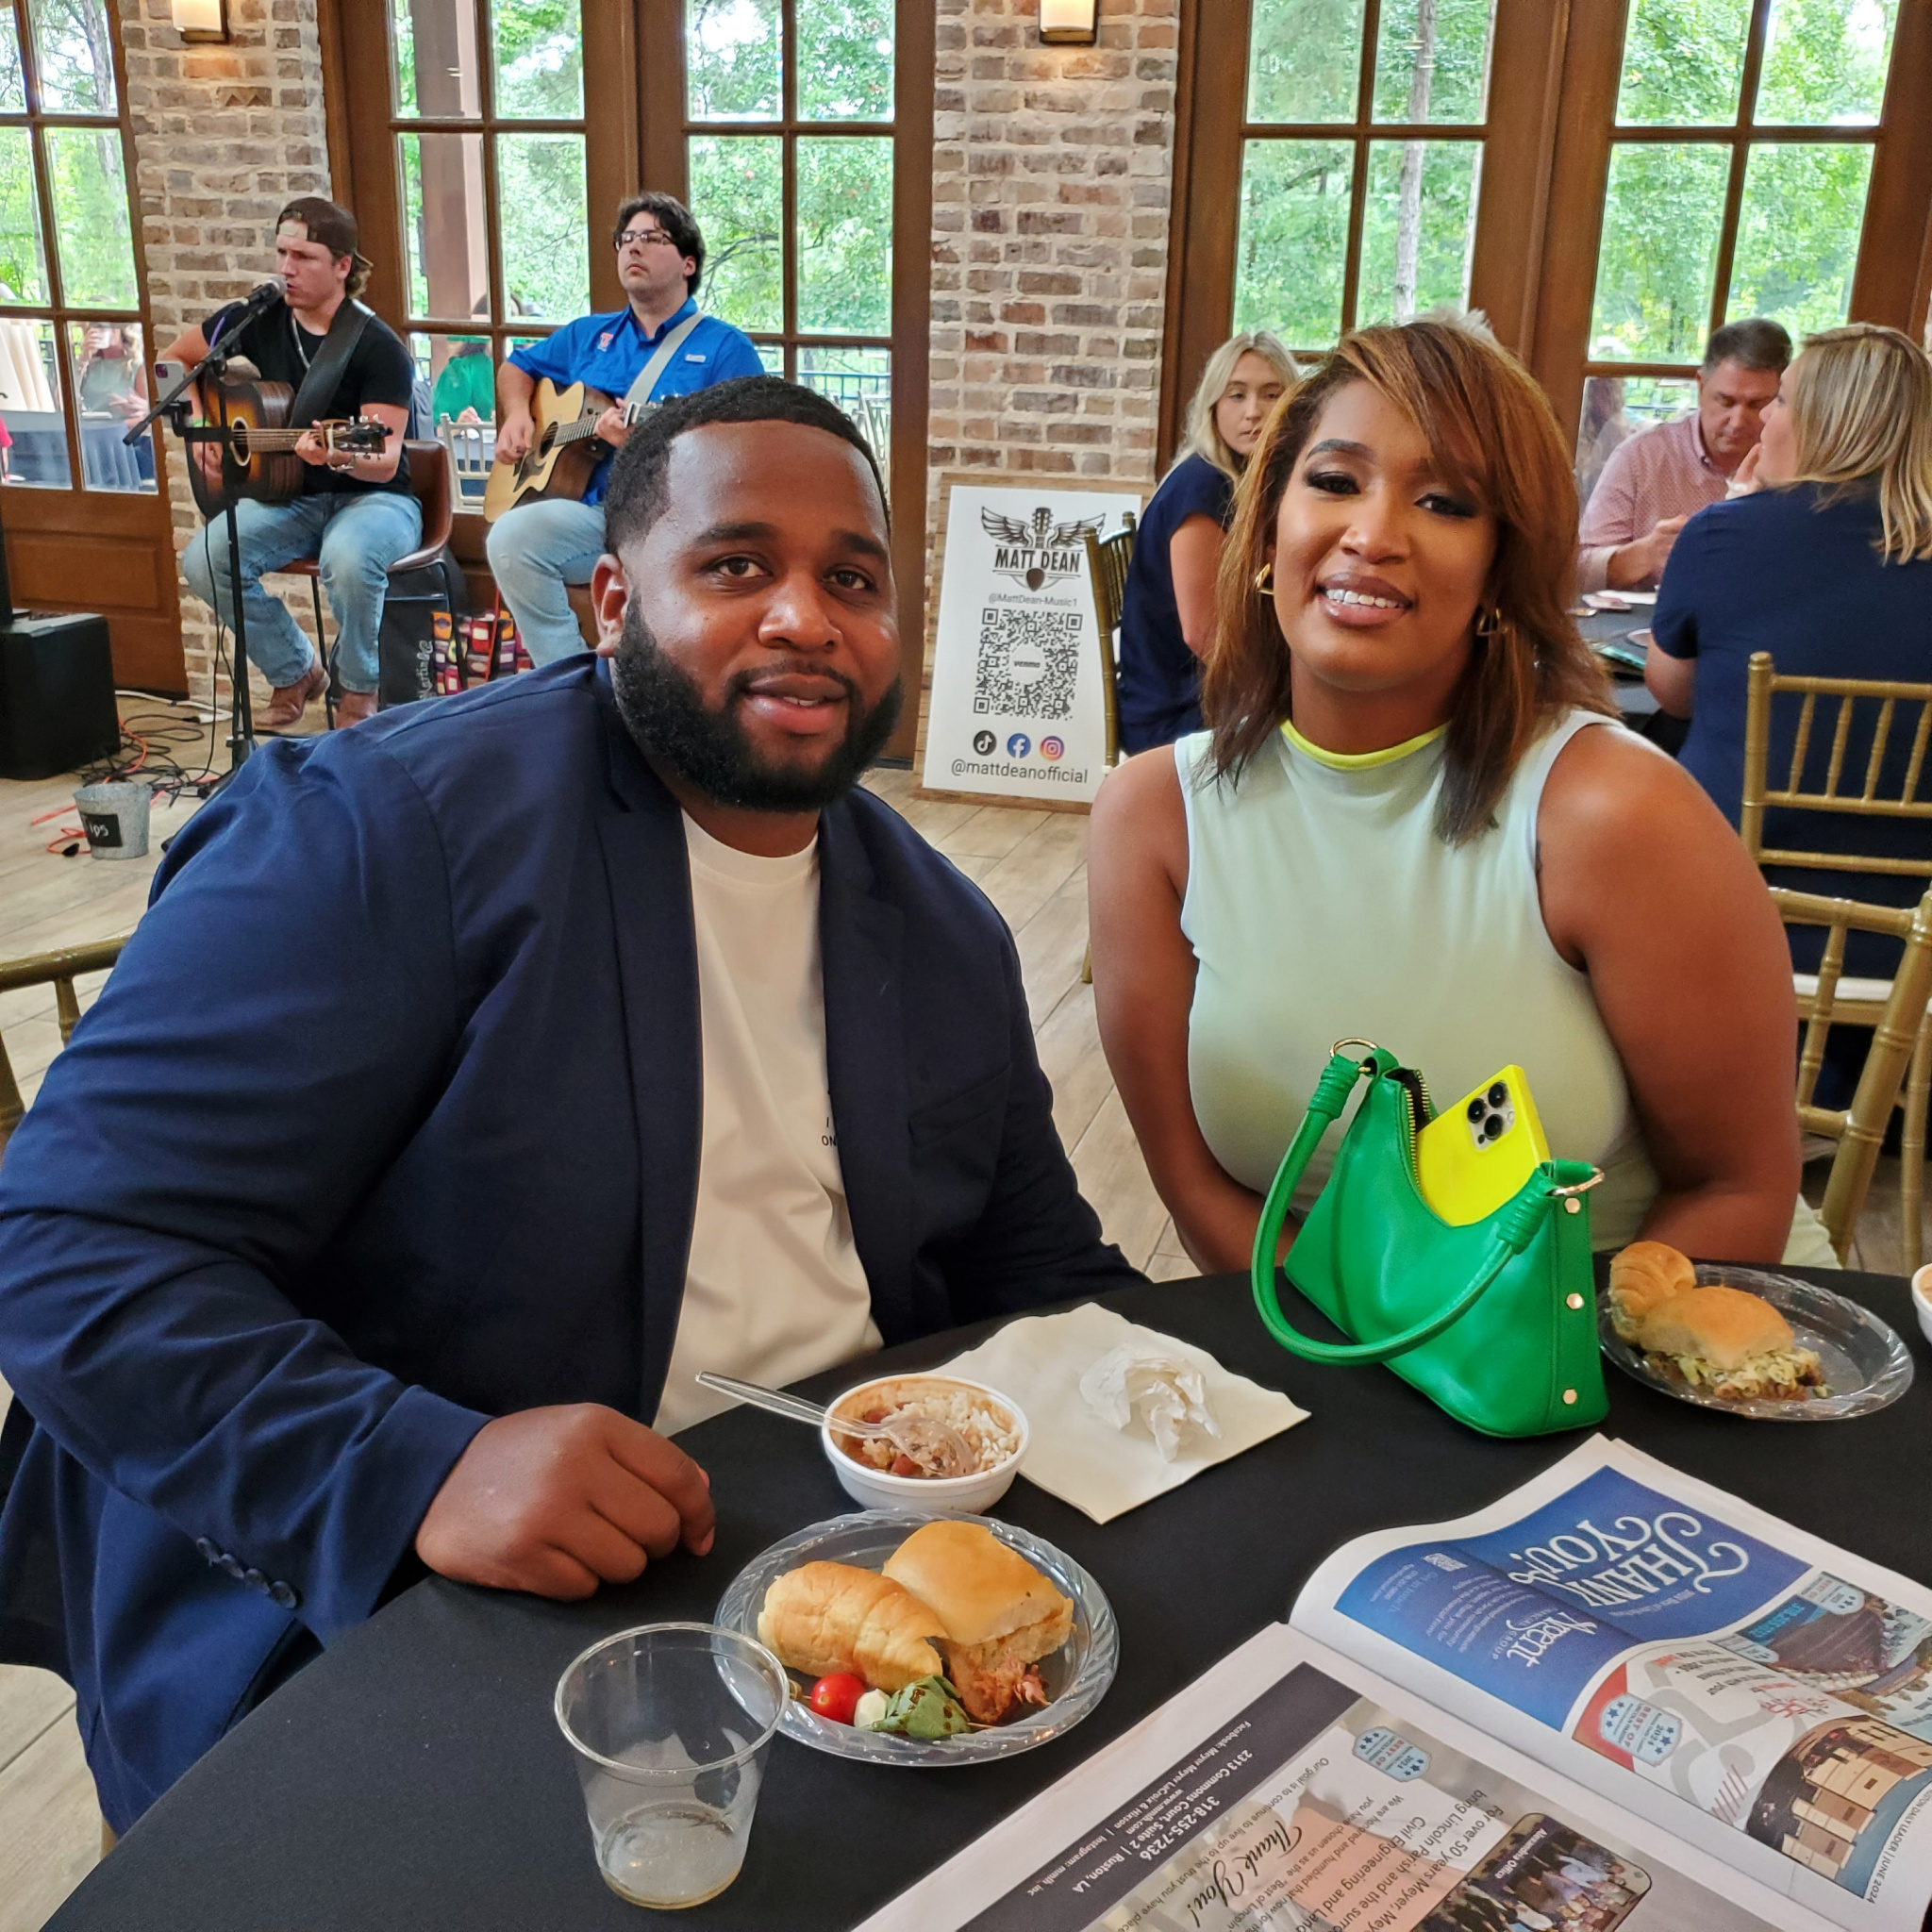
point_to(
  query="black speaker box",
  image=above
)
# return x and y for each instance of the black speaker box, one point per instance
(56, 695)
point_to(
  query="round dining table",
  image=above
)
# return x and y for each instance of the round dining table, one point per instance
(413, 1775)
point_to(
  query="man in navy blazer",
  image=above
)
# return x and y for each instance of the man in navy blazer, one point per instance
(351, 1233)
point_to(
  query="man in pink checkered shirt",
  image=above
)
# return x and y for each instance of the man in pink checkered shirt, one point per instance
(1657, 480)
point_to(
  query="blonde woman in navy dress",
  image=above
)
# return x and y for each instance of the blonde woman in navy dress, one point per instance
(1416, 819)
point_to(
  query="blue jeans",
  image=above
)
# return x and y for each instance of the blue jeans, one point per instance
(355, 537)
(534, 552)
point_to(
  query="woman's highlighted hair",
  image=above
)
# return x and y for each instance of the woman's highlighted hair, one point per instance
(1491, 432)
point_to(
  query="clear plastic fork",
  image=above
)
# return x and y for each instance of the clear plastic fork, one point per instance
(937, 1447)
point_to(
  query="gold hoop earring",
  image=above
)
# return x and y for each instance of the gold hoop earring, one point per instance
(1488, 624)
(1264, 579)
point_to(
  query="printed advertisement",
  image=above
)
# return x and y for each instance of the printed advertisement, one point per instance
(1317, 1810)
(1689, 1650)
(1016, 707)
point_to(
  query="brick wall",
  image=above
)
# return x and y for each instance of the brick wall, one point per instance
(223, 136)
(1051, 176)
(1051, 171)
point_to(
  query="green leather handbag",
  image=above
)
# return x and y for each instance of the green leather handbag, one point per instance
(1494, 1322)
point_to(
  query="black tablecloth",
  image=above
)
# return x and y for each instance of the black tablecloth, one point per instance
(414, 1776)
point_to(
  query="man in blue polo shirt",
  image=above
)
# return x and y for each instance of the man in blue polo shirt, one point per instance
(539, 548)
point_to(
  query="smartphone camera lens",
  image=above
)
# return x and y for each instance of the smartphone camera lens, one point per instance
(1498, 1094)
(1493, 1127)
(1476, 1109)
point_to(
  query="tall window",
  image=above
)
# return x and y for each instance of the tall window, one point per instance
(1740, 164)
(789, 142)
(487, 100)
(72, 351)
(1361, 149)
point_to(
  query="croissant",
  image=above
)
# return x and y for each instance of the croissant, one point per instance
(826, 1617)
(1644, 1274)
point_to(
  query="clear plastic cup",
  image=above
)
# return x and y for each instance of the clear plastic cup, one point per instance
(670, 1723)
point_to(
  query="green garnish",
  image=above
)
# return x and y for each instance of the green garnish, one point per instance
(929, 1709)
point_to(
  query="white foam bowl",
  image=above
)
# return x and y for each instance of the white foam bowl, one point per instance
(1922, 1300)
(876, 1489)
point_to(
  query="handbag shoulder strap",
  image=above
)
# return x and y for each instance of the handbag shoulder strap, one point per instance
(1516, 1226)
(639, 391)
(318, 389)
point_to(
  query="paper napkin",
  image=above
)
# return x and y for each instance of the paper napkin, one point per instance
(1074, 1454)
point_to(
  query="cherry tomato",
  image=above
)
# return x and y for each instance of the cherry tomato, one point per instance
(836, 1697)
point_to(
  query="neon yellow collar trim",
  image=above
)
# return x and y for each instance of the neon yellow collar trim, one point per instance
(1357, 760)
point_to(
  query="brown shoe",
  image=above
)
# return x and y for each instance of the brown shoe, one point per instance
(285, 708)
(352, 707)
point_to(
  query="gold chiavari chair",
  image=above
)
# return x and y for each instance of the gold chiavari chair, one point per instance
(1898, 1029)
(1108, 558)
(1905, 709)
(59, 970)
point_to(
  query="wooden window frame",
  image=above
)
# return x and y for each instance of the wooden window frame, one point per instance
(56, 308)
(635, 119)
(115, 548)
(1525, 71)
(1894, 260)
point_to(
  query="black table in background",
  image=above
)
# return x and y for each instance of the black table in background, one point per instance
(414, 1777)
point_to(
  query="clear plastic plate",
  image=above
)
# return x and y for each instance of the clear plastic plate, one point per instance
(1865, 1365)
(1075, 1676)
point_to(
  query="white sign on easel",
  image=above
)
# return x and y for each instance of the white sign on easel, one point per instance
(1016, 708)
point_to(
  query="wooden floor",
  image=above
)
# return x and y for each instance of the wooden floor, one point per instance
(1031, 864)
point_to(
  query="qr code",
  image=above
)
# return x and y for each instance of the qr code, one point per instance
(1030, 662)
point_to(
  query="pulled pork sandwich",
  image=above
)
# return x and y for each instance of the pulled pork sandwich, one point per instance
(1000, 1615)
(1731, 1343)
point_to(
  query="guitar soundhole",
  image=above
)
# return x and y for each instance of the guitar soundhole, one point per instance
(237, 435)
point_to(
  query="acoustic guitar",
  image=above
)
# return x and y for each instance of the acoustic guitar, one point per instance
(259, 457)
(563, 453)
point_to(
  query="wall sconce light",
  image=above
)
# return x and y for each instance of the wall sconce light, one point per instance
(1069, 23)
(200, 20)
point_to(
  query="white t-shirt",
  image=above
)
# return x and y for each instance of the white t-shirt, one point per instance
(775, 1288)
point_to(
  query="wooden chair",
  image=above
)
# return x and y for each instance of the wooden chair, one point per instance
(1853, 1002)
(1108, 558)
(1898, 1036)
(60, 970)
(429, 484)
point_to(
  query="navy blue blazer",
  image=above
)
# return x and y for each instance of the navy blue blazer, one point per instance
(388, 1123)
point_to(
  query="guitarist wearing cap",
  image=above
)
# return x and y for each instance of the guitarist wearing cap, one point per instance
(355, 513)
(540, 547)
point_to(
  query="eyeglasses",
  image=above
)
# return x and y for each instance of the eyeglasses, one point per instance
(644, 237)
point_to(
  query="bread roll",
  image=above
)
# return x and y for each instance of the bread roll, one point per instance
(1001, 1615)
(979, 1588)
(1644, 1274)
(826, 1617)
(1724, 1326)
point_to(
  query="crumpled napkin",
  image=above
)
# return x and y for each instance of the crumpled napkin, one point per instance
(1166, 1392)
(1074, 1454)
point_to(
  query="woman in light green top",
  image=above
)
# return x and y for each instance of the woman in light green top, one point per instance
(1416, 820)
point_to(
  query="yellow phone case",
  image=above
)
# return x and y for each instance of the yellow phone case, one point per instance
(1473, 1156)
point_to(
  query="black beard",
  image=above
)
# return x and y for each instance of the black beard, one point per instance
(666, 716)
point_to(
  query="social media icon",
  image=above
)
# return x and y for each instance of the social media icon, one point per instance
(1018, 745)
(983, 743)
(1052, 750)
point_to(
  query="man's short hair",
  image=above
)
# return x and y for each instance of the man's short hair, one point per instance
(1757, 343)
(675, 220)
(636, 497)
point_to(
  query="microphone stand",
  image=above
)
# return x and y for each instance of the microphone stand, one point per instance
(176, 406)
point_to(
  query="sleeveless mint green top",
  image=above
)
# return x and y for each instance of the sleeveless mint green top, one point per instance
(1322, 904)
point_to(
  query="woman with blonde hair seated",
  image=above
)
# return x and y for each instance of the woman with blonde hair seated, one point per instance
(1167, 614)
(1827, 565)
(1416, 820)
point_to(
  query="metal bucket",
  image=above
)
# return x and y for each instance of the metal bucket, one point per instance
(115, 817)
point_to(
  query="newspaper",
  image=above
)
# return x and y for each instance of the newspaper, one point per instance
(1294, 1792)
(1752, 1690)
(1617, 1695)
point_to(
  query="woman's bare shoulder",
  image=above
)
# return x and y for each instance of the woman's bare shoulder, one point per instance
(1139, 810)
(1608, 784)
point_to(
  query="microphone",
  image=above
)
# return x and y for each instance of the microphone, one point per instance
(251, 306)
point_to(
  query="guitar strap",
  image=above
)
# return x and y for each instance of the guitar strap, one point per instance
(318, 389)
(639, 393)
